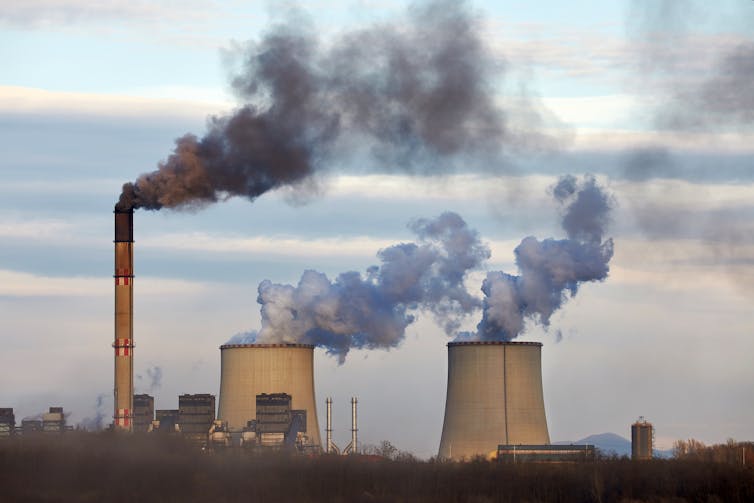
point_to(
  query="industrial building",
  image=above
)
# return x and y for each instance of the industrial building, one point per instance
(277, 426)
(53, 422)
(494, 397)
(249, 370)
(31, 427)
(545, 453)
(196, 413)
(7, 422)
(642, 439)
(166, 420)
(143, 413)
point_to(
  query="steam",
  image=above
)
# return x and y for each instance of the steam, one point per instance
(550, 270)
(96, 423)
(373, 310)
(420, 89)
(154, 373)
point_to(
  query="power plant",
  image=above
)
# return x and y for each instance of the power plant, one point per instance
(494, 398)
(250, 370)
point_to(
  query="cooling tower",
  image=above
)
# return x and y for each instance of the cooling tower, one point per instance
(248, 370)
(494, 397)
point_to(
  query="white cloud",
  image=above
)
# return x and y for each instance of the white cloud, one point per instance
(31, 101)
(20, 284)
(43, 13)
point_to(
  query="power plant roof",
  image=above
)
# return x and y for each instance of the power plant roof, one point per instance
(228, 346)
(494, 343)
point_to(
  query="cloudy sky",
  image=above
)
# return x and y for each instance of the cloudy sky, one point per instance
(653, 98)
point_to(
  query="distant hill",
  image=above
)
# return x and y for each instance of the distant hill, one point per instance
(611, 443)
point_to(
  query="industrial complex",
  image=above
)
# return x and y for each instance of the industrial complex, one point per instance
(494, 406)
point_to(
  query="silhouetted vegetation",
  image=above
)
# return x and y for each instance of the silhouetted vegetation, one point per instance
(109, 467)
(730, 452)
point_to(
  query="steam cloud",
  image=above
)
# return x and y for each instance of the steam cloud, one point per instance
(550, 270)
(373, 310)
(96, 423)
(419, 89)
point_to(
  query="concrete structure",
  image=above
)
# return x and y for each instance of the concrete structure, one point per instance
(167, 420)
(143, 413)
(124, 348)
(329, 446)
(248, 370)
(7, 422)
(545, 453)
(494, 397)
(31, 427)
(642, 439)
(196, 413)
(54, 421)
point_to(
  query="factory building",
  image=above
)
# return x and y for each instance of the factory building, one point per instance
(249, 370)
(31, 427)
(166, 420)
(53, 422)
(143, 413)
(545, 453)
(277, 426)
(196, 413)
(7, 422)
(642, 439)
(494, 397)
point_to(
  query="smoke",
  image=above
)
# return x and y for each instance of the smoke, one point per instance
(155, 378)
(96, 423)
(154, 373)
(550, 271)
(695, 81)
(419, 89)
(372, 310)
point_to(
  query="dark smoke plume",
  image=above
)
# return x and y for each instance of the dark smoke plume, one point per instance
(699, 81)
(373, 310)
(421, 89)
(550, 270)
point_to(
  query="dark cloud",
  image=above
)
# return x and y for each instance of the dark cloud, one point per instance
(693, 79)
(646, 163)
(419, 89)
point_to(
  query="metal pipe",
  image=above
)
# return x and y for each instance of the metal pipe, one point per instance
(123, 389)
(328, 446)
(354, 429)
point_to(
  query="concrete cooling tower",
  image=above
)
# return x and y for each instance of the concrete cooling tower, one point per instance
(248, 370)
(494, 397)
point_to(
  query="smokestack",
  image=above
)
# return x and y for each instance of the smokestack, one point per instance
(354, 427)
(328, 445)
(248, 370)
(494, 397)
(124, 279)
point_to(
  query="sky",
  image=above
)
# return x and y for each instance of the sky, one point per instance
(654, 99)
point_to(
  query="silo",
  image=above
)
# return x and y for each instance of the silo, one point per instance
(248, 370)
(494, 397)
(642, 439)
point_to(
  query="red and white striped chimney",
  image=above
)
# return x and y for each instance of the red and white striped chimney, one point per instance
(124, 342)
